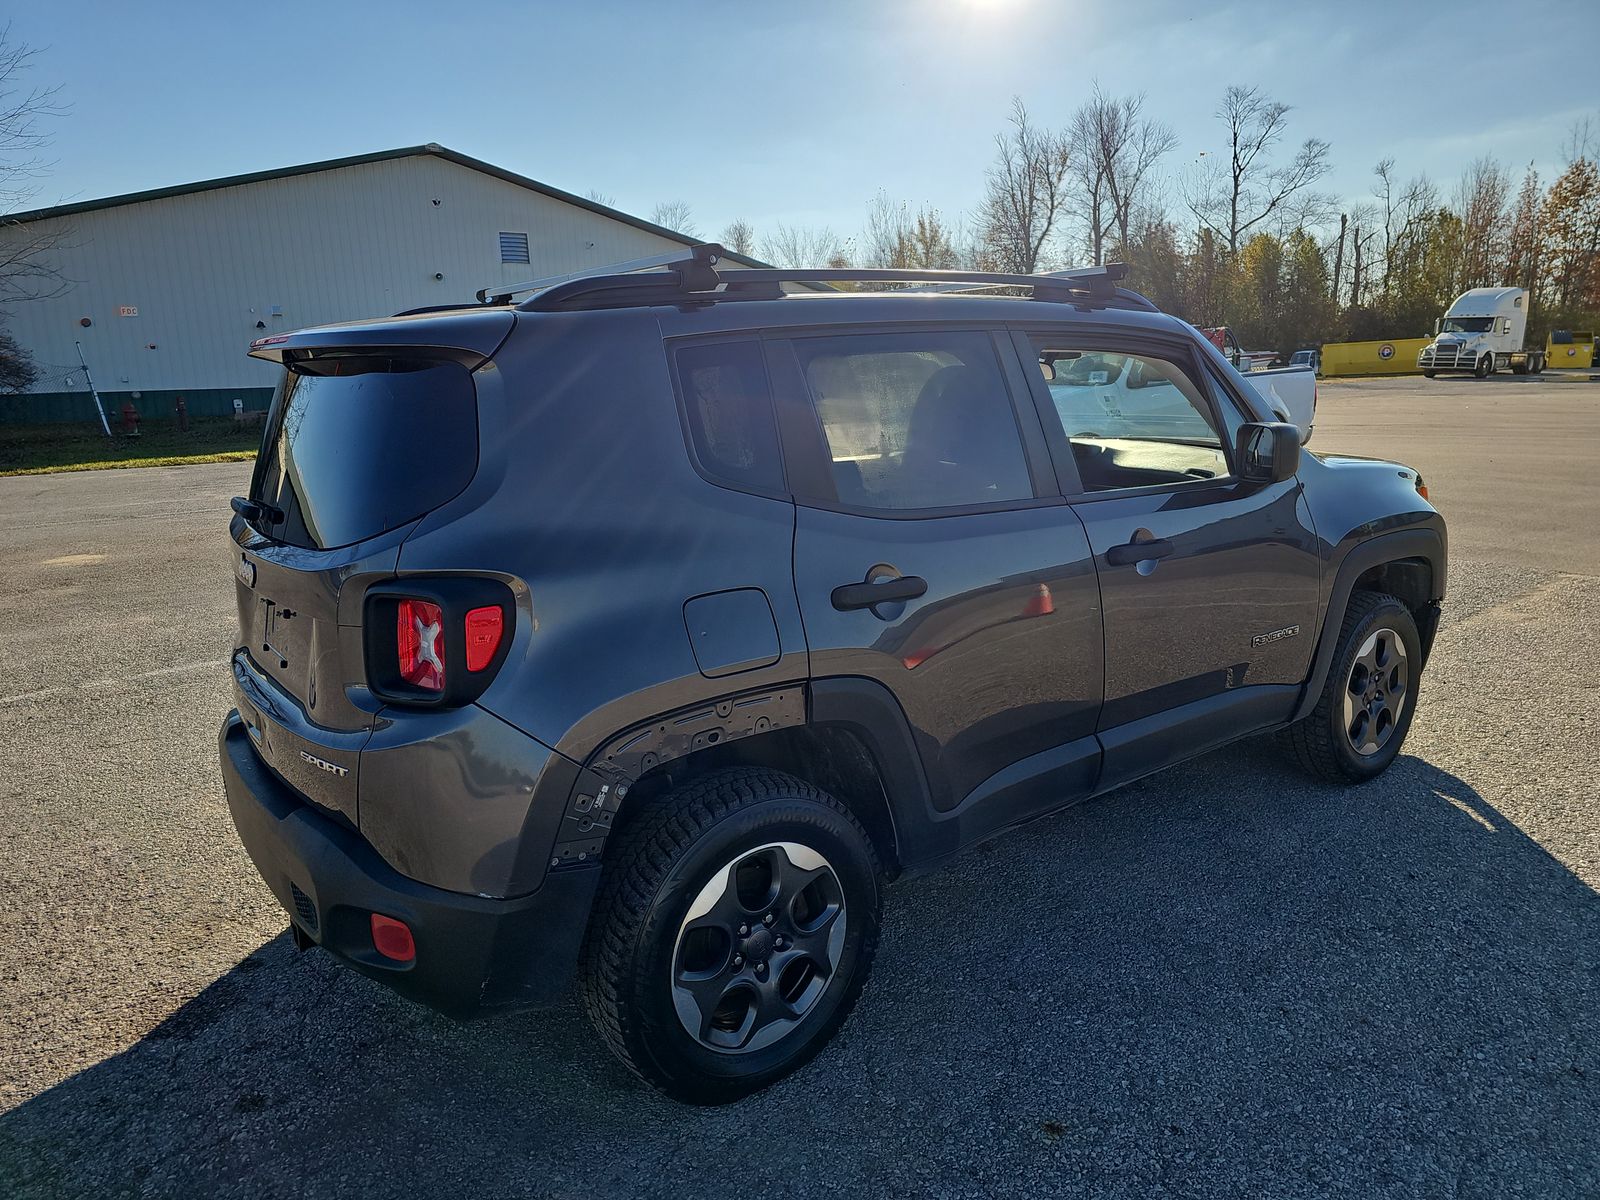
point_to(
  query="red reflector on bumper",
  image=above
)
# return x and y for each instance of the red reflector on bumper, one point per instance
(392, 938)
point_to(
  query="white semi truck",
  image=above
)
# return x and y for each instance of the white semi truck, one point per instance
(1482, 333)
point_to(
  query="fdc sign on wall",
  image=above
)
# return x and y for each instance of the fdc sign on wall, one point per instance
(1389, 356)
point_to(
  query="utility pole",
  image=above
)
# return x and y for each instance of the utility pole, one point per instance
(1338, 258)
(99, 408)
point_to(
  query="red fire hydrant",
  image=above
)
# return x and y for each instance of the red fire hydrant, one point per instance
(183, 415)
(130, 420)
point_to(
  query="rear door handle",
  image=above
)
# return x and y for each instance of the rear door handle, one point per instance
(1132, 552)
(883, 591)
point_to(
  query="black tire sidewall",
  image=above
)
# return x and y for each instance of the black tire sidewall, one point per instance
(704, 1075)
(1396, 617)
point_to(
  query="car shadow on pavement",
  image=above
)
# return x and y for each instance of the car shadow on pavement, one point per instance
(1224, 980)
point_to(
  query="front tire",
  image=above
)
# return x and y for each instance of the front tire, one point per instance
(734, 931)
(1429, 374)
(1484, 367)
(1367, 702)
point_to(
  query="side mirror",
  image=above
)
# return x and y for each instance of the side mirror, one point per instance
(1268, 452)
(1437, 324)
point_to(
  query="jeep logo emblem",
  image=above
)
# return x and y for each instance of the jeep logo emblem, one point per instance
(323, 764)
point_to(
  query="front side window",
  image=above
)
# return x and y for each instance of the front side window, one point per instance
(728, 403)
(915, 420)
(1131, 420)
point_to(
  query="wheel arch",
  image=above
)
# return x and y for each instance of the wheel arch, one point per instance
(847, 736)
(1409, 565)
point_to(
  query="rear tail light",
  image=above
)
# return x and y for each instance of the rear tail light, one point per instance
(483, 629)
(419, 633)
(392, 938)
(436, 641)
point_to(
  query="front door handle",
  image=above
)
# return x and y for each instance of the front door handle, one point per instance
(1132, 552)
(881, 591)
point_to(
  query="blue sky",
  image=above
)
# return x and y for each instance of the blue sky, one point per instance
(795, 112)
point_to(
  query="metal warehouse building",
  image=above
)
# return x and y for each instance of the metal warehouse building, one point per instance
(169, 287)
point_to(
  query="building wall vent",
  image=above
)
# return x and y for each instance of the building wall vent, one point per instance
(513, 247)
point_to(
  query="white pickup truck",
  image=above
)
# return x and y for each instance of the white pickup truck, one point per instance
(1291, 391)
(1089, 391)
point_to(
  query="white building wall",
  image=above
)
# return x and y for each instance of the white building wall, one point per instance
(360, 241)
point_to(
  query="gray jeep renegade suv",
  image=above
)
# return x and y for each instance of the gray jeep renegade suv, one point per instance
(642, 629)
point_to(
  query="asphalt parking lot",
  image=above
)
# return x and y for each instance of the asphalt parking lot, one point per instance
(1226, 980)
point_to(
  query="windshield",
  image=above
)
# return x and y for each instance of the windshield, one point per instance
(1467, 324)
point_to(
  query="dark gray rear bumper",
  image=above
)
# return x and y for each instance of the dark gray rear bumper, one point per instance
(471, 951)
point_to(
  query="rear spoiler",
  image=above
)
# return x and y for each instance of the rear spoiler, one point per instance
(470, 338)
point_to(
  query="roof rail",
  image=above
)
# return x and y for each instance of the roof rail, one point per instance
(695, 264)
(691, 275)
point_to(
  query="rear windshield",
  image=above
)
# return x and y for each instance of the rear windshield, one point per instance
(357, 446)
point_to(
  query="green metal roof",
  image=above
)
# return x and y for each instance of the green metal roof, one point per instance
(333, 164)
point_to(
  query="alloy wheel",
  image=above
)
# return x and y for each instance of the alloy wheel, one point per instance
(758, 947)
(1375, 693)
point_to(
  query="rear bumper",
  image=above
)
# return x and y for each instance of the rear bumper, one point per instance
(471, 951)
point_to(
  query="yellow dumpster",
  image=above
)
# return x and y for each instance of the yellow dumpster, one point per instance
(1569, 348)
(1392, 356)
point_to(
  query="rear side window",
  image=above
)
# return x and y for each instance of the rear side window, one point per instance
(915, 420)
(727, 402)
(359, 445)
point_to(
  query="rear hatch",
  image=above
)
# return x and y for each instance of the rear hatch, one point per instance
(368, 433)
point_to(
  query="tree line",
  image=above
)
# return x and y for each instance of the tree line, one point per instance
(1245, 236)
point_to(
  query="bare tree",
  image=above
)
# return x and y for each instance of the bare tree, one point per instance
(1480, 200)
(887, 232)
(600, 197)
(795, 246)
(1026, 194)
(740, 237)
(1113, 148)
(1580, 141)
(27, 268)
(1525, 240)
(674, 215)
(1362, 235)
(1233, 200)
(1407, 209)
(930, 244)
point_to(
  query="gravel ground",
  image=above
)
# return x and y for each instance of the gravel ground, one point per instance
(1226, 980)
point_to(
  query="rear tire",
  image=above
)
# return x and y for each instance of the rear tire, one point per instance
(734, 931)
(1367, 702)
(1537, 366)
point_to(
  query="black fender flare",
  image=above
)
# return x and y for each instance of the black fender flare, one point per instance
(1424, 543)
(861, 707)
(869, 711)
